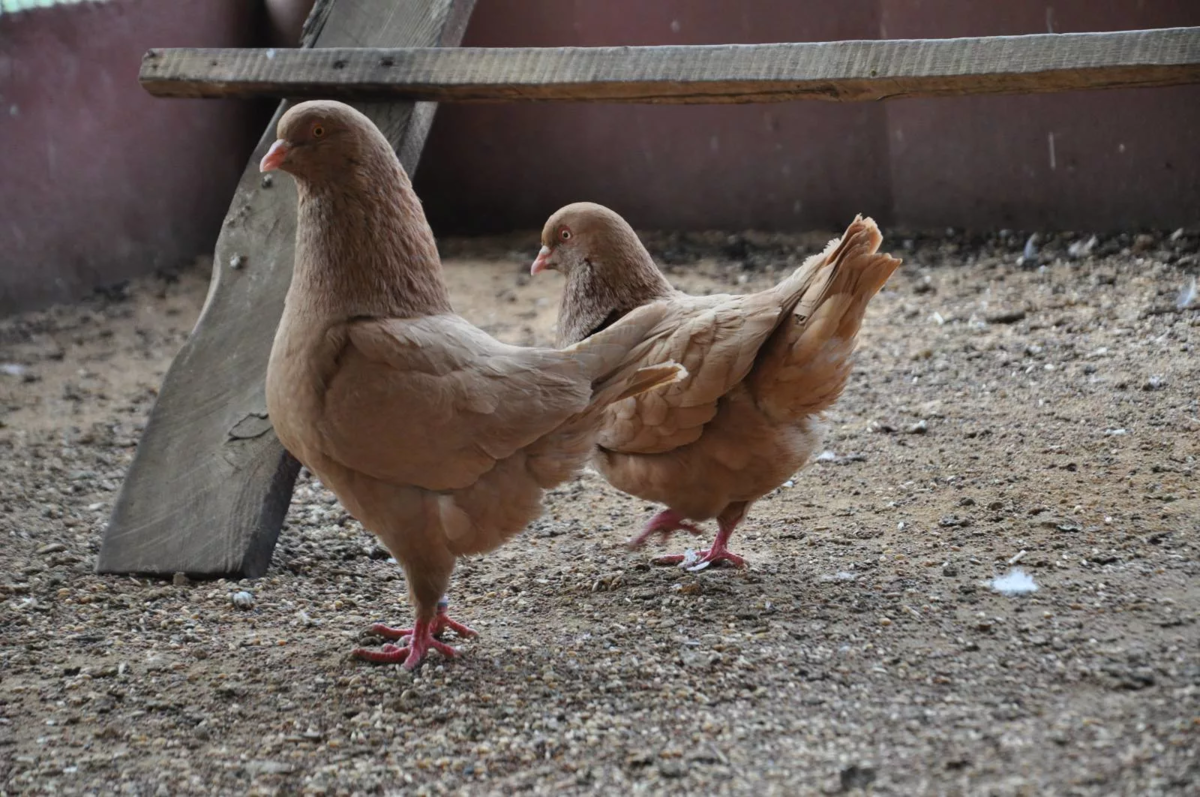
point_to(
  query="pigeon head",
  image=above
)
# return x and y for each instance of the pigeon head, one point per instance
(579, 235)
(320, 139)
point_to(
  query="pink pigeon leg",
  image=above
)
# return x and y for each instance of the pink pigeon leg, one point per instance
(664, 523)
(719, 552)
(439, 625)
(418, 644)
(417, 641)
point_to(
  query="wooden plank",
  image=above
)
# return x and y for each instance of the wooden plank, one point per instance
(840, 71)
(210, 484)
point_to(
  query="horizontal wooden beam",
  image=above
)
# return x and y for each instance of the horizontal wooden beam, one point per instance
(729, 73)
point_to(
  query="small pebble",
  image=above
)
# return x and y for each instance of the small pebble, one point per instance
(1082, 248)
(855, 777)
(671, 769)
(1030, 252)
(1187, 295)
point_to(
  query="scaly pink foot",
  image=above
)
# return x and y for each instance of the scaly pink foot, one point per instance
(713, 556)
(664, 523)
(719, 552)
(417, 641)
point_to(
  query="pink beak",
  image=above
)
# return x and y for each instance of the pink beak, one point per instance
(541, 262)
(274, 157)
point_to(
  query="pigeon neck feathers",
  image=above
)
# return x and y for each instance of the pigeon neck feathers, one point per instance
(363, 245)
(617, 278)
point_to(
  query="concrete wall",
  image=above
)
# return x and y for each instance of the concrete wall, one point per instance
(1122, 159)
(98, 180)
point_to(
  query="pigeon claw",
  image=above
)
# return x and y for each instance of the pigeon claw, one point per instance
(665, 523)
(415, 642)
(696, 561)
(418, 645)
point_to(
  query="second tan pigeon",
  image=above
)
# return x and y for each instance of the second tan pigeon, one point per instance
(761, 369)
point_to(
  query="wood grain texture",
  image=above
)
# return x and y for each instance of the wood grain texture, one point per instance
(838, 71)
(210, 484)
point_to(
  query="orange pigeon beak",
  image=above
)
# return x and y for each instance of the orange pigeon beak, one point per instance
(541, 262)
(274, 157)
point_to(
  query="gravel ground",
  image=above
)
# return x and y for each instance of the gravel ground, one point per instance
(1014, 405)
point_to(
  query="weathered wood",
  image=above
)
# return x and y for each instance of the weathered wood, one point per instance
(210, 484)
(840, 71)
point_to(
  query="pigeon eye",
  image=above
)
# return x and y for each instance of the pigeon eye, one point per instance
(318, 131)
(564, 234)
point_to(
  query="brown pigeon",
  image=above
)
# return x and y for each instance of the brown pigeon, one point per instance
(437, 437)
(761, 369)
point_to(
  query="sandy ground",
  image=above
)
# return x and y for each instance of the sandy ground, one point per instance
(1042, 413)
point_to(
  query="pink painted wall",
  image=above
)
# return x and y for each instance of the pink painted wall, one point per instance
(1116, 159)
(783, 166)
(1123, 159)
(99, 181)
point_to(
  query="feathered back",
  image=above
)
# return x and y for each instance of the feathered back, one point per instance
(803, 368)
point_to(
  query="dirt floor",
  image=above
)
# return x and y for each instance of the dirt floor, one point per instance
(1018, 405)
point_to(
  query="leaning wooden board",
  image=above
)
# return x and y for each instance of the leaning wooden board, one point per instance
(210, 484)
(840, 71)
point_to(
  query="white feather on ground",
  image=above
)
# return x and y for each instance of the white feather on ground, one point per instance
(1015, 582)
